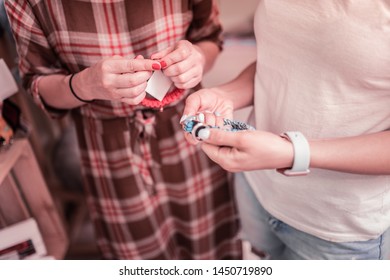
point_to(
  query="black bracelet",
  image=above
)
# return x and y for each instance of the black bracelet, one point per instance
(72, 91)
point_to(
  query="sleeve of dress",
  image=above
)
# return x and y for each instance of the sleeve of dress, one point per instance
(36, 57)
(205, 25)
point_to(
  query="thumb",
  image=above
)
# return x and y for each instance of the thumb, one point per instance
(220, 137)
(223, 156)
(192, 105)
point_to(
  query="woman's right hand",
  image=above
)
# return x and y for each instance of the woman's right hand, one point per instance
(211, 104)
(115, 78)
(211, 100)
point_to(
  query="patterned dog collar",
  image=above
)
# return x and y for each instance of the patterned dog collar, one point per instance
(192, 125)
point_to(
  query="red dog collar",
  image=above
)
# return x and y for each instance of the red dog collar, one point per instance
(169, 98)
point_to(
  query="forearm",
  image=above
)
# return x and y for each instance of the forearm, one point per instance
(210, 52)
(55, 91)
(367, 154)
(241, 89)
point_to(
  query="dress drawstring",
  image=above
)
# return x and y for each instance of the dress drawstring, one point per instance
(142, 128)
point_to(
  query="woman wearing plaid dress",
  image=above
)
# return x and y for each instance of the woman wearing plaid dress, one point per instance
(150, 194)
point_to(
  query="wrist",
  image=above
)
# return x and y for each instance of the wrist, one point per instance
(301, 154)
(76, 89)
(201, 55)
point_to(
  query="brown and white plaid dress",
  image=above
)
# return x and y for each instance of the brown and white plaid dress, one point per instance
(151, 195)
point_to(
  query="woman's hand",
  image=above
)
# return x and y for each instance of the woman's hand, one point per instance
(184, 63)
(210, 106)
(115, 78)
(247, 150)
(211, 100)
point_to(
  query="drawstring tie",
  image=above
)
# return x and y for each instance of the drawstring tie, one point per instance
(144, 142)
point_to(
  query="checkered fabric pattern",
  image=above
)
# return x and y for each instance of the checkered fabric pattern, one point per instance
(151, 195)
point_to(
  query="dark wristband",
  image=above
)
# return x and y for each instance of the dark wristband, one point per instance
(74, 93)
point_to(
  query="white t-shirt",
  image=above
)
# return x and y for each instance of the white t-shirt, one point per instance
(324, 69)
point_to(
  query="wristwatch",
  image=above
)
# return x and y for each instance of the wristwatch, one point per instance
(301, 148)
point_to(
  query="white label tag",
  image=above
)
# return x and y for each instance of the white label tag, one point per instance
(158, 85)
(8, 85)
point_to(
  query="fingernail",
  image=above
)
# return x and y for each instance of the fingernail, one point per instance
(183, 118)
(156, 66)
(204, 134)
(217, 114)
(163, 64)
(201, 117)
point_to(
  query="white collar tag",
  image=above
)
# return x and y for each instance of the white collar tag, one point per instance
(158, 85)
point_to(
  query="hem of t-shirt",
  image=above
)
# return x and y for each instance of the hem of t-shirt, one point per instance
(309, 230)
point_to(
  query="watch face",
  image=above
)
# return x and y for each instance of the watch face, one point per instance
(301, 148)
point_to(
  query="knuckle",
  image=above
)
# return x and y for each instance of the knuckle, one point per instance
(142, 87)
(184, 52)
(133, 82)
(106, 83)
(179, 69)
(185, 43)
(130, 66)
(181, 79)
(105, 65)
(183, 49)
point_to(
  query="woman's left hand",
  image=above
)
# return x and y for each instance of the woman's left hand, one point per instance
(184, 63)
(247, 150)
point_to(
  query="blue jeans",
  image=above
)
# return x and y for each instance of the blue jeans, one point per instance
(278, 240)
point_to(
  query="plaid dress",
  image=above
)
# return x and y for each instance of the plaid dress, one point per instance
(151, 195)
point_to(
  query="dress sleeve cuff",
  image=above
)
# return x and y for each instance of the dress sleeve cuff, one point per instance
(51, 111)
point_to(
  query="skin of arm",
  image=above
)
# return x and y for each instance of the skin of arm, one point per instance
(224, 98)
(113, 78)
(241, 151)
(365, 154)
(209, 51)
(240, 91)
(123, 79)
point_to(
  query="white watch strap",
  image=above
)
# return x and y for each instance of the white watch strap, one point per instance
(301, 154)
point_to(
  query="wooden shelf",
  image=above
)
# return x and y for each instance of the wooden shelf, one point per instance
(24, 194)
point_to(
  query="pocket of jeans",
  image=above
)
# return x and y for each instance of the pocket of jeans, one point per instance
(277, 225)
